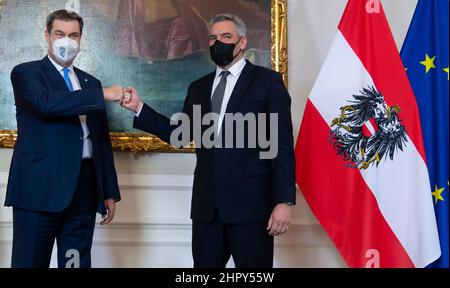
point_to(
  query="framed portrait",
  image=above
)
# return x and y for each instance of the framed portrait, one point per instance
(158, 47)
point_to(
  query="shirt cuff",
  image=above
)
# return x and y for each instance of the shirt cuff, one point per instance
(139, 112)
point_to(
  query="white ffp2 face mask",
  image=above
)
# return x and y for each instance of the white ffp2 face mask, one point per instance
(65, 49)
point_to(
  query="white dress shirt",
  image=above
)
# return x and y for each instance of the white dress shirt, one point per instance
(87, 143)
(235, 73)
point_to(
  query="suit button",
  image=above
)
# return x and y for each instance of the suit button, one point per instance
(81, 138)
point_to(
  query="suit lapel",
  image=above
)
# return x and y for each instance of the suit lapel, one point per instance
(244, 82)
(86, 84)
(56, 79)
(54, 75)
(84, 81)
(207, 92)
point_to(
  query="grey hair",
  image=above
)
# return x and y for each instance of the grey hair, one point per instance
(241, 28)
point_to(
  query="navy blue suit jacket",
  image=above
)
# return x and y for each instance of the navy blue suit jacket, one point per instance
(47, 156)
(243, 187)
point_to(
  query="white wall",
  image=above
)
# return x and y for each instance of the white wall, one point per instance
(152, 226)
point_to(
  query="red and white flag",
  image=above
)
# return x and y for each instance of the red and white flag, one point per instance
(360, 155)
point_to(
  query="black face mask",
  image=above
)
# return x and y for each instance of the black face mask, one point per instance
(222, 53)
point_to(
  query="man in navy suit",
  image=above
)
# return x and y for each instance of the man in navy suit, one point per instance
(62, 170)
(240, 200)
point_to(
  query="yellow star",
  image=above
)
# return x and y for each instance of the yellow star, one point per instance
(428, 62)
(446, 70)
(438, 194)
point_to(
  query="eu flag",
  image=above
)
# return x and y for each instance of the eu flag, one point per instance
(425, 55)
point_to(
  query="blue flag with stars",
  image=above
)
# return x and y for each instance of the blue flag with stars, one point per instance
(425, 56)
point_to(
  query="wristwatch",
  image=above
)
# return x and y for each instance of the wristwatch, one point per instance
(289, 204)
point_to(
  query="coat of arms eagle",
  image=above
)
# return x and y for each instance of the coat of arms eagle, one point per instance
(368, 130)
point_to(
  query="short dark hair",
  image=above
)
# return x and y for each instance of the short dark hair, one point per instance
(63, 15)
(241, 28)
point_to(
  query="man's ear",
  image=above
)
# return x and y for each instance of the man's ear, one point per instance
(244, 42)
(47, 36)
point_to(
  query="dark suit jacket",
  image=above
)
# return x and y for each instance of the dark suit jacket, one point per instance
(47, 156)
(243, 187)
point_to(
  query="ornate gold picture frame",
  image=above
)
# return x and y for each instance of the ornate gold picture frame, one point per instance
(141, 142)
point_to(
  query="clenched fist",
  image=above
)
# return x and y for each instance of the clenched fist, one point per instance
(114, 94)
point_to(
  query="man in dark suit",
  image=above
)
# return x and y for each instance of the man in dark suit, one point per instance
(62, 170)
(240, 200)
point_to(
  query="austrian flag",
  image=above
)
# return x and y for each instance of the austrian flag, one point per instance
(360, 155)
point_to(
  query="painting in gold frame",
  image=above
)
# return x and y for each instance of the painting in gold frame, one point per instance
(277, 56)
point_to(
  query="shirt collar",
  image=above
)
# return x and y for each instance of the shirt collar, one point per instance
(235, 70)
(59, 67)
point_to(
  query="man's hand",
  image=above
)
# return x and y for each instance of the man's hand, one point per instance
(279, 220)
(114, 94)
(132, 101)
(110, 205)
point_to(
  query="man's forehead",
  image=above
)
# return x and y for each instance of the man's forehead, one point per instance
(66, 26)
(223, 27)
(223, 32)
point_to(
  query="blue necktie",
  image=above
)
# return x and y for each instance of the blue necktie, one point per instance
(66, 77)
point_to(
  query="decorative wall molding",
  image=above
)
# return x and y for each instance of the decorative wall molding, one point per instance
(133, 183)
(164, 225)
(171, 243)
(154, 181)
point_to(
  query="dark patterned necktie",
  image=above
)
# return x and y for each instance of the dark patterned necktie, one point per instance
(219, 93)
